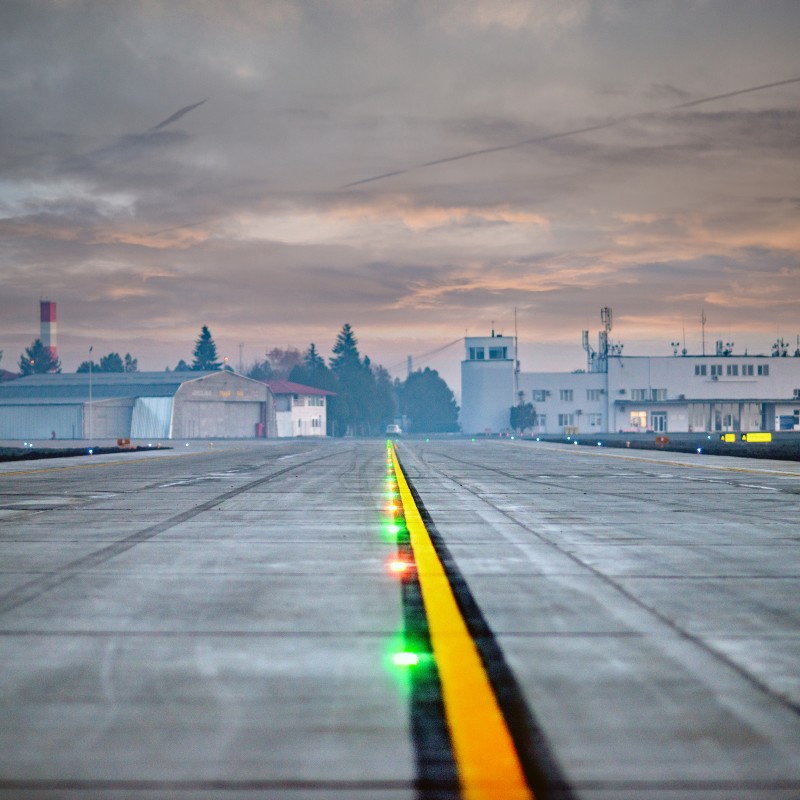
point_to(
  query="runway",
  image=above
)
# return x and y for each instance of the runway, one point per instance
(226, 621)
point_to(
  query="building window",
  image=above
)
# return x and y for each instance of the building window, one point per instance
(594, 419)
(638, 420)
(699, 369)
(732, 369)
(298, 401)
(658, 394)
(796, 394)
(498, 352)
(316, 400)
(566, 394)
(658, 421)
(566, 420)
(716, 370)
(538, 395)
(476, 354)
(541, 420)
(747, 369)
(763, 369)
(638, 394)
(593, 394)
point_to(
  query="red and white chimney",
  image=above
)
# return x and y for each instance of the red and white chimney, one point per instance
(47, 333)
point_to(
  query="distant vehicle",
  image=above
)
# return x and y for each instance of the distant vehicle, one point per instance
(395, 430)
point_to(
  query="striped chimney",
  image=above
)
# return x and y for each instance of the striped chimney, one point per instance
(47, 333)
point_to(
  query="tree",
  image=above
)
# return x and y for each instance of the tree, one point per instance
(429, 403)
(205, 352)
(350, 411)
(283, 361)
(523, 416)
(38, 360)
(260, 371)
(345, 351)
(384, 399)
(182, 366)
(313, 371)
(111, 363)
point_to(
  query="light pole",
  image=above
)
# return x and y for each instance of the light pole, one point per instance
(90, 393)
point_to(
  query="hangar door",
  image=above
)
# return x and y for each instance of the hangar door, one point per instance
(217, 420)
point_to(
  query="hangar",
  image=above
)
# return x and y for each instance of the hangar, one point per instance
(137, 405)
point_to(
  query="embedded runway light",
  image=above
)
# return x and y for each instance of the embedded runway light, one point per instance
(398, 566)
(405, 659)
(599, 444)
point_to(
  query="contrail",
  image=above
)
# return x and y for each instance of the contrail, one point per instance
(562, 134)
(176, 116)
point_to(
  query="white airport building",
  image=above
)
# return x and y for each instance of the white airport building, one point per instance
(680, 393)
(300, 410)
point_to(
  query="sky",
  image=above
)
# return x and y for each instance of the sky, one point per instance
(166, 165)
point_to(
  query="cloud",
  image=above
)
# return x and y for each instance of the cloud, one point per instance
(551, 185)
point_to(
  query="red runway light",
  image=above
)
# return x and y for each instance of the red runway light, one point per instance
(398, 566)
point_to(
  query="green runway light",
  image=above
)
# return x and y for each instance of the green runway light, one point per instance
(405, 659)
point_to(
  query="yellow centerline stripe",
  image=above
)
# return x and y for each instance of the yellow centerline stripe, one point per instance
(487, 761)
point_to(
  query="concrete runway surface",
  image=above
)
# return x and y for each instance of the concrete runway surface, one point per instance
(224, 621)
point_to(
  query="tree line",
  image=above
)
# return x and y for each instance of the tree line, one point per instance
(365, 398)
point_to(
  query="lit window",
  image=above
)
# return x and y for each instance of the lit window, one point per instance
(639, 419)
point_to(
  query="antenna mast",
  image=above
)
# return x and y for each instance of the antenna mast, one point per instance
(516, 358)
(703, 326)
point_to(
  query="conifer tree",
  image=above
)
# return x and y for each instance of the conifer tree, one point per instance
(38, 359)
(205, 352)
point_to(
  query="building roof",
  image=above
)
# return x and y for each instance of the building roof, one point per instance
(75, 386)
(278, 386)
(5, 375)
(705, 400)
